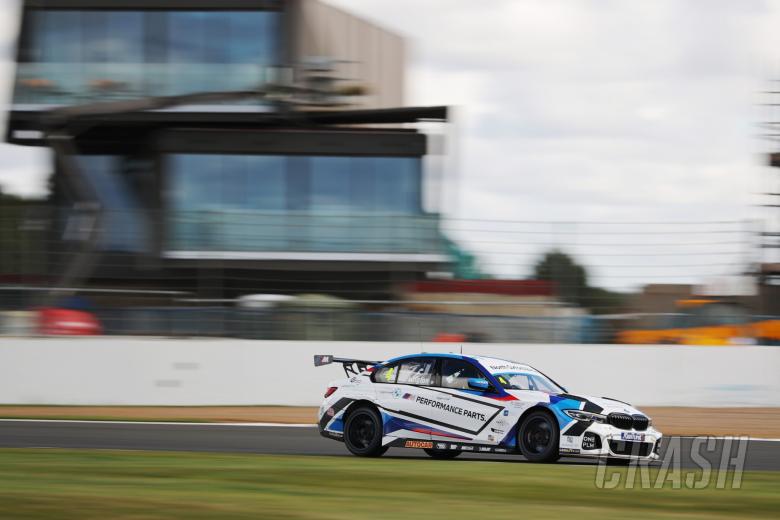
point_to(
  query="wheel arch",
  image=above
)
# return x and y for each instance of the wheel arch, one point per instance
(537, 408)
(359, 403)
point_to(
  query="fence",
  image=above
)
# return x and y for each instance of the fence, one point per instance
(148, 290)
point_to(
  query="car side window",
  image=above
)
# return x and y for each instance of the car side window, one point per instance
(386, 374)
(417, 372)
(522, 382)
(455, 373)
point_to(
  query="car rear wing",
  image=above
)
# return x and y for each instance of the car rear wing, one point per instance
(352, 367)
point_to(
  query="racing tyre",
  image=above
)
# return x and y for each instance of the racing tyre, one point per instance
(363, 433)
(538, 437)
(441, 454)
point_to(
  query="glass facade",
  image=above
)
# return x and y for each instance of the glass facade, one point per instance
(297, 203)
(70, 57)
(124, 225)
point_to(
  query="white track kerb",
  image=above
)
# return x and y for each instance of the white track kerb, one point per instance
(149, 371)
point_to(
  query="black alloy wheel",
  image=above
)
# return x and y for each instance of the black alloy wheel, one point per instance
(363, 433)
(442, 454)
(539, 437)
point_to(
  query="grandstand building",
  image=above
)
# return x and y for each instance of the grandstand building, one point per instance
(308, 176)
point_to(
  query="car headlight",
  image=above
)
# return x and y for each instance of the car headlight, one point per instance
(581, 415)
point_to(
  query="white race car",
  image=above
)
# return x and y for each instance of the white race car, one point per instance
(447, 404)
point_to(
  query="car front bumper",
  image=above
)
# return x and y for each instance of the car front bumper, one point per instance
(604, 440)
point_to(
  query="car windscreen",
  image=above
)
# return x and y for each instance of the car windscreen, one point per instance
(527, 381)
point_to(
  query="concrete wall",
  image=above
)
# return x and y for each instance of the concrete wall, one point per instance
(138, 371)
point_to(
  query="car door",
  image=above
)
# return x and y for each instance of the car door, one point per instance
(411, 400)
(464, 411)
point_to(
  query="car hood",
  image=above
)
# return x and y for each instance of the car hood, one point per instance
(607, 404)
(610, 405)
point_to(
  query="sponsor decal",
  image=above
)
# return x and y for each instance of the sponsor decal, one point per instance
(506, 412)
(418, 444)
(572, 451)
(397, 393)
(570, 438)
(441, 446)
(630, 436)
(467, 448)
(491, 438)
(499, 450)
(485, 448)
(449, 408)
(566, 441)
(501, 422)
(494, 430)
(453, 446)
(354, 379)
(408, 396)
(330, 412)
(508, 367)
(589, 441)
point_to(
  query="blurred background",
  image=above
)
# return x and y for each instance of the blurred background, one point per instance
(303, 170)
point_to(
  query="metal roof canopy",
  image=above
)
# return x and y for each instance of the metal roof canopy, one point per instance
(128, 120)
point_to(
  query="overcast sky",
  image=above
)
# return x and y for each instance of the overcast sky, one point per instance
(597, 111)
(606, 111)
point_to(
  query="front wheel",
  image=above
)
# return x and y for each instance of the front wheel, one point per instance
(363, 433)
(441, 454)
(538, 438)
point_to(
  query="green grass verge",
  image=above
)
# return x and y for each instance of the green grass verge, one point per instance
(43, 483)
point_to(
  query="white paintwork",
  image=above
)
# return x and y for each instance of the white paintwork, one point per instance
(151, 371)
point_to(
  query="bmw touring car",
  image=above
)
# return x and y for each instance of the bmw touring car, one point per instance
(448, 404)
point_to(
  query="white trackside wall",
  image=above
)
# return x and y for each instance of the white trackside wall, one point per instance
(148, 371)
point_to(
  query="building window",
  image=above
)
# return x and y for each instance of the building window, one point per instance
(203, 182)
(233, 202)
(365, 184)
(72, 57)
(312, 184)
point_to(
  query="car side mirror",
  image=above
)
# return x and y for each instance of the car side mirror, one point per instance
(476, 383)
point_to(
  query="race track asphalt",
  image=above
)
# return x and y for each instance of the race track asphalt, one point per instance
(760, 455)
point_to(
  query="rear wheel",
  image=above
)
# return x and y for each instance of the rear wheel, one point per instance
(442, 454)
(363, 433)
(538, 437)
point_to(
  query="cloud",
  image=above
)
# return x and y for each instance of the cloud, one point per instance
(595, 110)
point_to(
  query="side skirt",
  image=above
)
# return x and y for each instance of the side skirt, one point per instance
(459, 446)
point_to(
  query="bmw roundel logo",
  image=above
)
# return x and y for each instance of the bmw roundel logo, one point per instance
(397, 393)
(506, 412)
